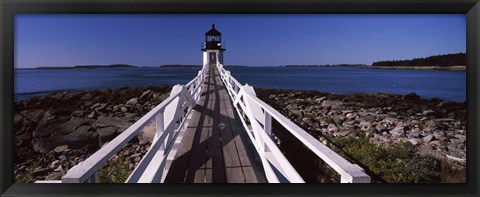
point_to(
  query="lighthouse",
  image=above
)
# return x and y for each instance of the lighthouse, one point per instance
(212, 47)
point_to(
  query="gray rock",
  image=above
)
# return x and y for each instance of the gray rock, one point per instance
(297, 113)
(325, 121)
(92, 115)
(435, 143)
(342, 133)
(60, 126)
(428, 138)
(39, 171)
(60, 149)
(380, 127)
(54, 176)
(55, 164)
(428, 112)
(123, 109)
(364, 126)
(397, 131)
(129, 115)
(332, 128)
(78, 113)
(462, 138)
(380, 138)
(33, 114)
(431, 123)
(415, 141)
(105, 121)
(106, 134)
(132, 102)
(438, 135)
(414, 133)
(350, 115)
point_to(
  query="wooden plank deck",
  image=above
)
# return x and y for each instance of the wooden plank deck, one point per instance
(215, 147)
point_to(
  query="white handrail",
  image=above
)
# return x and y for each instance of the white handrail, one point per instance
(181, 98)
(259, 115)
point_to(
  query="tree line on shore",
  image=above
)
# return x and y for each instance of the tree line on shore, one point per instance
(457, 59)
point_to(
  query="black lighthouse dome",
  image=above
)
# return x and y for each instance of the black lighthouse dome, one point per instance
(213, 40)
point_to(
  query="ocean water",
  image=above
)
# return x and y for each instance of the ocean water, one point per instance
(446, 85)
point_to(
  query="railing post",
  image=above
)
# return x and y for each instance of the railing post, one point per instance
(160, 128)
(268, 124)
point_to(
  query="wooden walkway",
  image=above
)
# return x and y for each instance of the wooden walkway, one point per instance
(215, 147)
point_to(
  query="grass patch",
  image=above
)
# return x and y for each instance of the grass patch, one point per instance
(397, 163)
(28, 176)
(115, 171)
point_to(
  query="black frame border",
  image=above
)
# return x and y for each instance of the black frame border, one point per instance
(8, 9)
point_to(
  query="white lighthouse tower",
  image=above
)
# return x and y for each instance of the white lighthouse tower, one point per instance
(212, 47)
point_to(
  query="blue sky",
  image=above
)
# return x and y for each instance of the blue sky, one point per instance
(253, 40)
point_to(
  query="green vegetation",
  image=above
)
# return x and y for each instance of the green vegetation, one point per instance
(115, 171)
(397, 163)
(28, 176)
(458, 59)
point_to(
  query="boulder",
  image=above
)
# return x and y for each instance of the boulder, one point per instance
(428, 112)
(428, 138)
(106, 121)
(431, 123)
(132, 102)
(397, 131)
(411, 97)
(60, 149)
(146, 94)
(415, 141)
(350, 115)
(54, 176)
(332, 128)
(106, 134)
(60, 126)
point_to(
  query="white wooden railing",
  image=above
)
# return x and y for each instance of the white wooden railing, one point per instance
(256, 117)
(170, 117)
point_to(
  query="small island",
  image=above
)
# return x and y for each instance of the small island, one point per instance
(180, 66)
(457, 61)
(88, 67)
(325, 65)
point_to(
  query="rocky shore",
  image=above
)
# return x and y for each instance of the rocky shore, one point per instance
(57, 131)
(433, 127)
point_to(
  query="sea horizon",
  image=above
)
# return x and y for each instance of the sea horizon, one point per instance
(332, 79)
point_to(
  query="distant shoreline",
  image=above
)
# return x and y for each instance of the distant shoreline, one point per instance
(447, 68)
(87, 67)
